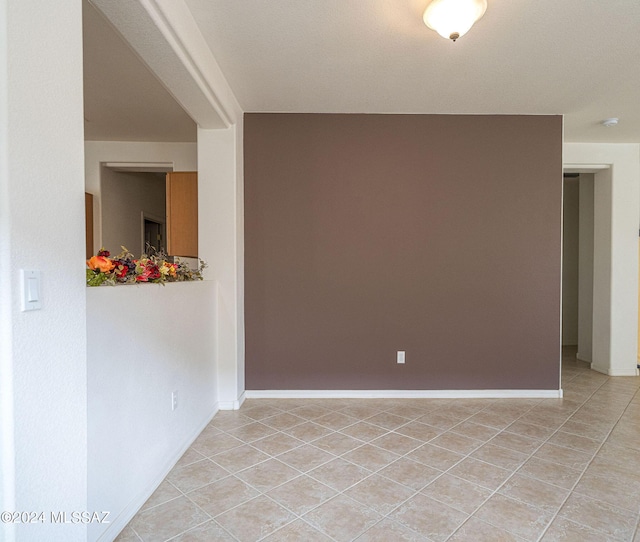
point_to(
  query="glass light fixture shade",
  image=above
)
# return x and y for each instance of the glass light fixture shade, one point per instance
(453, 18)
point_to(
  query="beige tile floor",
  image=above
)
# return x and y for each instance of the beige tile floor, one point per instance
(427, 470)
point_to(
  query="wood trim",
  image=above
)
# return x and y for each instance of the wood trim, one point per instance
(88, 223)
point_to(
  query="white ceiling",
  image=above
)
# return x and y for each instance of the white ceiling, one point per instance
(580, 58)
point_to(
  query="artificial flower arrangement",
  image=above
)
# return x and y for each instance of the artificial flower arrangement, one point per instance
(151, 267)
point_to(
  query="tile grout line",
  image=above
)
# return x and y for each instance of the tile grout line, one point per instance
(571, 491)
(442, 473)
(230, 474)
(302, 473)
(496, 491)
(227, 431)
(340, 493)
(260, 492)
(211, 518)
(388, 431)
(415, 492)
(469, 456)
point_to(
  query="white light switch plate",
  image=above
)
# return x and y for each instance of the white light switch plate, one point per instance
(31, 290)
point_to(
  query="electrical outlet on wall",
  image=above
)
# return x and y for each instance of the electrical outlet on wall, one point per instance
(400, 356)
(174, 400)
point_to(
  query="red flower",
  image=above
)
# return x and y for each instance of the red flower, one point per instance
(121, 271)
(151, 272)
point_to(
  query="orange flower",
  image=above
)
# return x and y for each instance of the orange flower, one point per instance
(101, 263)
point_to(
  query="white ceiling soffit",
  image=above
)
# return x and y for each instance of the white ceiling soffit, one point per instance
(137, 167)
(123, 100)
(573, 57)
(165, 36)
(584, 168)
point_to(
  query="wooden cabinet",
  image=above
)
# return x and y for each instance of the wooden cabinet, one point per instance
(182, 213)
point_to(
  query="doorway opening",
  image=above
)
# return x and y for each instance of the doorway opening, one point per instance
(132, 194)
(578, 264)
(153, 233)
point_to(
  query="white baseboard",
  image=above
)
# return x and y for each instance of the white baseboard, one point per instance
(125, 516)
(232, 405)
(403, 394)
(609, 372)
(581, 358)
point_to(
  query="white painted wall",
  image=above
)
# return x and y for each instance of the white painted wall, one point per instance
(239, 241)
(616, 219)
(219, 164)
(124, 197)
(604, 304)
(43, 364)
(585, 266)
(182, 155)
(166, 37)
(570, 208)
(7, 451)
(145, 341)
(221, 244)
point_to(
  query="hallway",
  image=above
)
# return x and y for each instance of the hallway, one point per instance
(414, 469)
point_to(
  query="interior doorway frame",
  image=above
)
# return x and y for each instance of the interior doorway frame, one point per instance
(127, 167)
(615, 272)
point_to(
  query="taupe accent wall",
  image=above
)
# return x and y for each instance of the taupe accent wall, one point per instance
(438, 235)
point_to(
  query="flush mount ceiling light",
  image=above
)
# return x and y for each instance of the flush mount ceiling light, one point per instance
(453, 18)
(610, 122)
